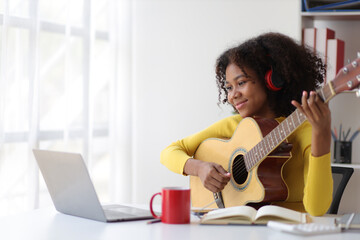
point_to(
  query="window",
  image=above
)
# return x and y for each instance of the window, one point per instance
(57, 77)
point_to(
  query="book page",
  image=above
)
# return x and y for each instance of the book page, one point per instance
(239, 212)
(272, 212)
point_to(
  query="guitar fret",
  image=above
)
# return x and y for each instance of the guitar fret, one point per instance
(277, 133)
(296, 120)
(246, 156)
(283, 131)
(254, 159)
(249, 165)
(280, 131)
(284, 127)
(268, 142)
(264, 150)
(278, 139)
(261, 150)
(288, 127)
(293, 124)
(257, 153)
(273, 142)
(251, 159)
(298, 116)
(303, 117)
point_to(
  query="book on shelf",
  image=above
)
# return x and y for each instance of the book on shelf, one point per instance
(249, 215)
(322, 37)
(309, 38)
(335, 59)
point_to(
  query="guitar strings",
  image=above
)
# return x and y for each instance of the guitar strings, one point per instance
(240, 173)
(239, 169)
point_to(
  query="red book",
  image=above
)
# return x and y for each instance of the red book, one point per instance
(322, 35)
(335, 59)
(309, 38)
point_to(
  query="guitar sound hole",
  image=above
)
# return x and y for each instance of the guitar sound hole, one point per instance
(239, 171)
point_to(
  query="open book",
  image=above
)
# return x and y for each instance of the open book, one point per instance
(249, 215)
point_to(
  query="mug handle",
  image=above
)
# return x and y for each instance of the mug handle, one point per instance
(151, 206)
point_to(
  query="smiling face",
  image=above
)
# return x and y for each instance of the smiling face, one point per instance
(246, 93)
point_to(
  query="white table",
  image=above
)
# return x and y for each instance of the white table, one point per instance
(49, 224)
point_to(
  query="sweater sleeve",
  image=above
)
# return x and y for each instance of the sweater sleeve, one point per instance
(318, 184)
(176, 154)
(314, 184)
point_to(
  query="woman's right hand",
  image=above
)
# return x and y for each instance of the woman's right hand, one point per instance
(212, 175)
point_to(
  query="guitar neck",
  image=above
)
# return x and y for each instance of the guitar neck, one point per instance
(347, 78)
(273, 139)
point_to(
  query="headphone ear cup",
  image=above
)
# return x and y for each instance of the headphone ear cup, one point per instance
(273, 82)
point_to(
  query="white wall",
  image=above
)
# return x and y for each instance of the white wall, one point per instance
(175, 45)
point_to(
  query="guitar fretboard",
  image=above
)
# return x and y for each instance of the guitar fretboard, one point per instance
(273, 139)
(282, 131)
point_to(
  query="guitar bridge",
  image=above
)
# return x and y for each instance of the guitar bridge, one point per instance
(219, 200)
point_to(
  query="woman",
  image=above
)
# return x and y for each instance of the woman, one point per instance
(269, 77)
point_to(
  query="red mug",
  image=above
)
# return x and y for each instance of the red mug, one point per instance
(175, 206)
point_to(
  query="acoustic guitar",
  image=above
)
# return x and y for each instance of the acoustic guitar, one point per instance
(256, 169)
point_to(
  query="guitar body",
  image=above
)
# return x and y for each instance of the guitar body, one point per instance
(264, 183)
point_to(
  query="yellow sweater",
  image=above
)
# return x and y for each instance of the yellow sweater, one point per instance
(308, 178)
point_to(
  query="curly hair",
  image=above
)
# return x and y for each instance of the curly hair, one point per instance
(299, 68)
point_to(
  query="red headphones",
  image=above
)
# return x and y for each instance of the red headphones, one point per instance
(273, 81)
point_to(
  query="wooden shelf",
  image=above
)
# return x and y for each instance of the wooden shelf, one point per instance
(332, 15)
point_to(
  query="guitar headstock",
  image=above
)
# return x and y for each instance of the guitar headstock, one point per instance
(348, 78)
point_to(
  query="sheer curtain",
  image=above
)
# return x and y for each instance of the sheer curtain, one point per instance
(65, 84)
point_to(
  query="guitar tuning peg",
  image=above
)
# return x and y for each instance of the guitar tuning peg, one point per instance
(358, 54)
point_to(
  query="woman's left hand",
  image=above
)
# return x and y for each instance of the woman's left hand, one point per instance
(318, 114)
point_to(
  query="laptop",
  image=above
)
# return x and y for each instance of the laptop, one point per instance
(73, 192)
